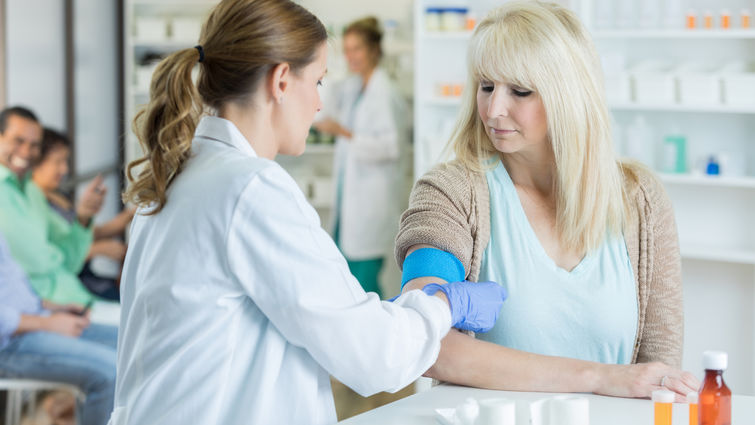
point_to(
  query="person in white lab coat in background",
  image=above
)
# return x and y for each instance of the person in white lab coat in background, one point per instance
(236, 305)
(368, 117)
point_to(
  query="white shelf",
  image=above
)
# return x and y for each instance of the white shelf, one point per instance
(441, 101)
(445, 35)
(736, 256)
(724, 109)
(713, 181)
(730, 34)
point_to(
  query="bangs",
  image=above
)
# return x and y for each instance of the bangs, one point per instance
(499, 53)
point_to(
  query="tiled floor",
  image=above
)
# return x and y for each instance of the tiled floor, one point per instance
(349, 403)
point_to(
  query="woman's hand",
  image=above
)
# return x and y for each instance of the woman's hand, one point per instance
(640, 380)
(91, 201)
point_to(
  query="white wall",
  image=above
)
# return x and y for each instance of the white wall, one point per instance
(35, 58)
(96, 85)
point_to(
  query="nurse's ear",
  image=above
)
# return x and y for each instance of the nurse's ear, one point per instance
(279, 80)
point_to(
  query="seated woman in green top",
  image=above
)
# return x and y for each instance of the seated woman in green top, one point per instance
(49, 249)
(585, 245)
(48, 173)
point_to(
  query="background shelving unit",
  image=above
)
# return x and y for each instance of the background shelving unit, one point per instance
(714, 214)
(160, 18)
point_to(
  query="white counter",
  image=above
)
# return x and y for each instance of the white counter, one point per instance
(419, 409)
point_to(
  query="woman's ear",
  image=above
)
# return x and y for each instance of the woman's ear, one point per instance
(279, 80)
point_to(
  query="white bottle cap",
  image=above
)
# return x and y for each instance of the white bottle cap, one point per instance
(715, 360)
(663, 396)
(692, 397)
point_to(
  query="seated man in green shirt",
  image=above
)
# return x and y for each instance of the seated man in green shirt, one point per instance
(51, 250)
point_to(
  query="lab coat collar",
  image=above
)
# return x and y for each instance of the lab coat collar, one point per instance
(222, 130)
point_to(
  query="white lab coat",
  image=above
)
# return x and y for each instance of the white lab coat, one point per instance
(236, 305)
(372, 164)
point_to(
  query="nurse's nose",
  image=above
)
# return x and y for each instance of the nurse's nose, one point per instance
(499, 103)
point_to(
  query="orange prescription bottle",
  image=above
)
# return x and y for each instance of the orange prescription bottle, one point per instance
(662, 401)
(725, 19)
(692, 401)
(708, 19)
(691, 19)
(745, 18)
(714, 406)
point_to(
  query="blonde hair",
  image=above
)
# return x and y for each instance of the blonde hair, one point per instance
(543, 47)
(241, 41)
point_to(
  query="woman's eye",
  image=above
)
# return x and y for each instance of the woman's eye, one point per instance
(486, 87)
(521, 92)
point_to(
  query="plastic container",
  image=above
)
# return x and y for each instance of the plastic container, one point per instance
(151, 29)
(698, 85)
(738, 84)
(653, 83)
(725, 19)
(638, 142)
(690, 21)
(674, 154)
(662, 403)
(453, 19)
(714, 397)
(692, 398)
(432, 18)
(185, 29)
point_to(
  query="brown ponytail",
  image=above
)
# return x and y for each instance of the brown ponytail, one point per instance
(242, 41)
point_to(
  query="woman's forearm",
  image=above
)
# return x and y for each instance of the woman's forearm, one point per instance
(465, 360)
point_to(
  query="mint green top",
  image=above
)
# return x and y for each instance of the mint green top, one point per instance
(50, 250)
(588, 313)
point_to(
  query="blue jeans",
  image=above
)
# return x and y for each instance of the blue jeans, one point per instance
(88, 362)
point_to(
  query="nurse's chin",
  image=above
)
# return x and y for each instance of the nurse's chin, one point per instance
(293, 150)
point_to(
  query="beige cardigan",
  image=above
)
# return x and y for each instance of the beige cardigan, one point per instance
(449, 208)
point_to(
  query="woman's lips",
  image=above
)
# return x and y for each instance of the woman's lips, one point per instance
(501, 131)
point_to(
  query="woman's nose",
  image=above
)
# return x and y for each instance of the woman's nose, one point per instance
(498, 104)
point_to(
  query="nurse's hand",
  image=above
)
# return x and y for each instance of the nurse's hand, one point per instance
(331, 126)
(474, 305)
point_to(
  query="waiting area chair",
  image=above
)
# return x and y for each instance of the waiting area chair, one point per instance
(16, 389)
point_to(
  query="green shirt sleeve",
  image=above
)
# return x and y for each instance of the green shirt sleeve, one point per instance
(72, 239)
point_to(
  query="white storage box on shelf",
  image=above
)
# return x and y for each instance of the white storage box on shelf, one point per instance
(618, 87)
(151, 29)
(698, 84)
(617, 79)
(186, 29)
(653, 83)
(738, 82)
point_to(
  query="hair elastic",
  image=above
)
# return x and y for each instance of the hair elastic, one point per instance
(201, 52)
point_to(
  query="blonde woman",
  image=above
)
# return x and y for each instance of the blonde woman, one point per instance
(236, 305)
(586, 245)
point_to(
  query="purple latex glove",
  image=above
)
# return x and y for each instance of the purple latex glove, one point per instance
(474, 305)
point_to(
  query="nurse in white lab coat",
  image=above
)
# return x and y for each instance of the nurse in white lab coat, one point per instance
(236, 305)
(368, 118)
